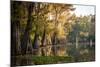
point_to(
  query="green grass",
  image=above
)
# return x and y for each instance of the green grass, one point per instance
(50, 59)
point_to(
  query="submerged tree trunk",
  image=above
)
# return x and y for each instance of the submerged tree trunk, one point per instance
(54, 34)
(25, 40)
(15, 41)
(54, 43)
(26, 35)
(44, 38)
(15, 29)
(43, 43)
(15, 38)
(36, 44)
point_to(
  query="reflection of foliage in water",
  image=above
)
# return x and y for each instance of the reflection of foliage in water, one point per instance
(82, 54)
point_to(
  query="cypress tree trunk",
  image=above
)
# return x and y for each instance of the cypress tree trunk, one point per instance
(15, 29)
(26, 36)
(36, 44)
(15, 41)
(43, 50)
(25, 41)
(54, 43)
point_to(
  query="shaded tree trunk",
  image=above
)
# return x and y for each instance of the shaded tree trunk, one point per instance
(36, 41)
(15, 30)
(25, 40)
(26, 36)
(54, 43)
(15, 38)
(15, 41)
(36, 44)
(54, 34)
(44, 38)
(43, 50)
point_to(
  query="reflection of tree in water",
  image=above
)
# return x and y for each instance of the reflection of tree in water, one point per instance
(82, 54)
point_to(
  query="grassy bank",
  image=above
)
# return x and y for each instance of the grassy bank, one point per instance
(51, 59)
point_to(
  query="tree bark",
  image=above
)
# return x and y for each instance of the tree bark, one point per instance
(43, 50)
(26, 36)
(15, 38)
(15, 41)
(36, 44)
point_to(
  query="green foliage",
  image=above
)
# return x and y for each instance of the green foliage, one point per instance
(83, 28)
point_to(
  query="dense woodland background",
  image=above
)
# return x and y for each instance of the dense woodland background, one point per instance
(46, 33)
